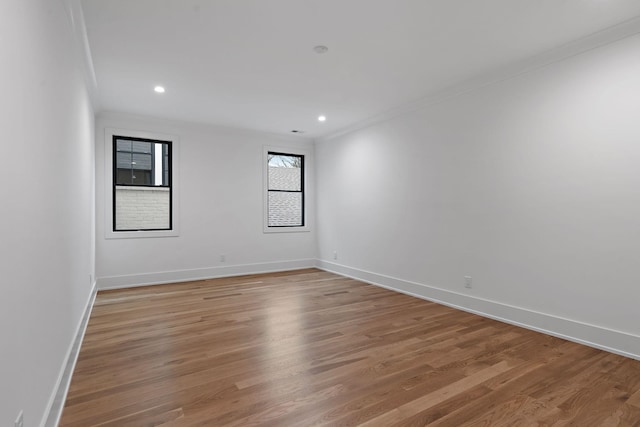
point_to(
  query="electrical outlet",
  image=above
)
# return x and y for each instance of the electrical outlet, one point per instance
(335, 254)
(223, 258)
(19, 420)
(467, 282)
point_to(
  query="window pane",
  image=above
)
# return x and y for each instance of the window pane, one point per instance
(285, 172)
(141, 177)
(285, 209)
(142, 208)
(141, 146)
(124, 160)
(123, 176)
(141, 161)
(123, 145)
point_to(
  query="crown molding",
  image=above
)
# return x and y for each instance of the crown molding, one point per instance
(79, 30)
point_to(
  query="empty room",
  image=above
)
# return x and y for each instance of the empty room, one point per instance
(320, 213)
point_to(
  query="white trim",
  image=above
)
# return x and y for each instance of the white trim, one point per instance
(593, 41)
(109, 133)
(56, 402)
(145, 279)
(132, 188)
(265, 187)
(610, 340)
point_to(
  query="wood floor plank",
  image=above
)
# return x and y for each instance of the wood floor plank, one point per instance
(311, 348)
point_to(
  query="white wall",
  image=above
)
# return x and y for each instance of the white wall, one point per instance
(531, 186)
(220, 209)
(46, 213)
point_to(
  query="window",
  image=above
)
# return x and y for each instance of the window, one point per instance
(285, 190)
(142, 190)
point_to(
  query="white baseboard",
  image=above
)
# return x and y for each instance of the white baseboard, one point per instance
(56, 401)
(132, 280)
(610, 340)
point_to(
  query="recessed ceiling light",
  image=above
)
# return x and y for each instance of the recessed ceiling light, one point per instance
(159, 89)
(322, 118)
(320, 49)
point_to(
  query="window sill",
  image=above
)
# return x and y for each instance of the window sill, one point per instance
(269, 230)
(141, 234)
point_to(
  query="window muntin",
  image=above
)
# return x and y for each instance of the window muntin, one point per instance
(142, 192)
(285, 190)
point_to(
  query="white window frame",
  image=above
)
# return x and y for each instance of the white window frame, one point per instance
(108, 190)
(265, 189)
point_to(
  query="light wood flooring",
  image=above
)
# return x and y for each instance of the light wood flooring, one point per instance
(310, 348)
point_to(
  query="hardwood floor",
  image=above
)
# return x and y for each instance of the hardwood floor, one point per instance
(311, 348)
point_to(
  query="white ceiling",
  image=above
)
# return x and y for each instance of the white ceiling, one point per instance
(251, 64)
